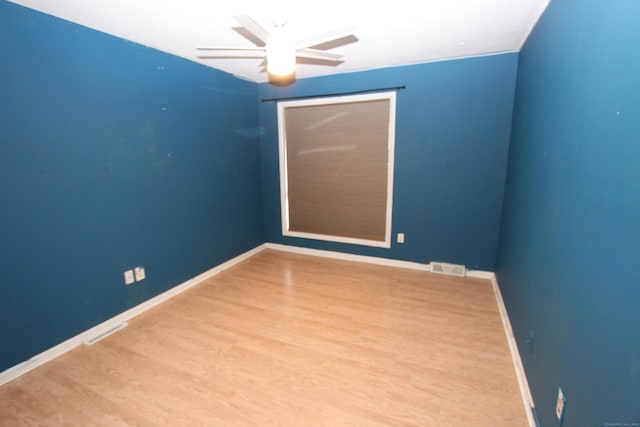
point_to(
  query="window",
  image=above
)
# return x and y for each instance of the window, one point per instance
(336, 168)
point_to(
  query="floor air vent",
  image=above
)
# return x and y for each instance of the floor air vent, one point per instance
(105, 334)
(450, 269)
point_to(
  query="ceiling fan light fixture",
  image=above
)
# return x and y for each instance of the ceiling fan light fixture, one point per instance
(281, 55)
(280, 49)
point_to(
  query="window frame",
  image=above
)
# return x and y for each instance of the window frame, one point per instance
(284, 196)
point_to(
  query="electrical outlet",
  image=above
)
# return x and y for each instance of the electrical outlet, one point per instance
(400, 237)
(128, 277)
(560, 406)
(140, 275)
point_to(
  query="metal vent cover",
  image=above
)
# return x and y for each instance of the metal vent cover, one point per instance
(450, 269)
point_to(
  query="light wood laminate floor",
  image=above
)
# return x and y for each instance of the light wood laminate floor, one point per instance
(283, 339)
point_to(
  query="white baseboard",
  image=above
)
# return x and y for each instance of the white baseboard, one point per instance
(349, 257)
(525, 391)
(117, 322)
(479, 274)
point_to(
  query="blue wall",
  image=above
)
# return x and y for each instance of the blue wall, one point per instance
(112, 155)
(569, 259)
(452, 136)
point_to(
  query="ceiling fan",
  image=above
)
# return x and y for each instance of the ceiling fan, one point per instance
(278, 47)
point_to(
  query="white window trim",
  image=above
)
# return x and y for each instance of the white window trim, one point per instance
(284, 199)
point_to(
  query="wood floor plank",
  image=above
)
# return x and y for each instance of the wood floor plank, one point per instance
(290, 340)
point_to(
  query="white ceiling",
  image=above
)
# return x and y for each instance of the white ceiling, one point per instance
(396, 32)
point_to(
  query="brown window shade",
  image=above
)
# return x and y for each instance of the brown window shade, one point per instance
(337, 168)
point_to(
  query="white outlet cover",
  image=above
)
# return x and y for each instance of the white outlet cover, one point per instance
(128, 277)
(560, 406)
(140, 275)
(400, 237)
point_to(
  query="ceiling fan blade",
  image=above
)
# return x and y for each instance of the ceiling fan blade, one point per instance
(232, 52)
(230, 48)
(318, 54)
(253, 27)
(326, 37)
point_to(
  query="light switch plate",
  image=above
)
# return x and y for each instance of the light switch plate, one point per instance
(128, 277)
(140, 274)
